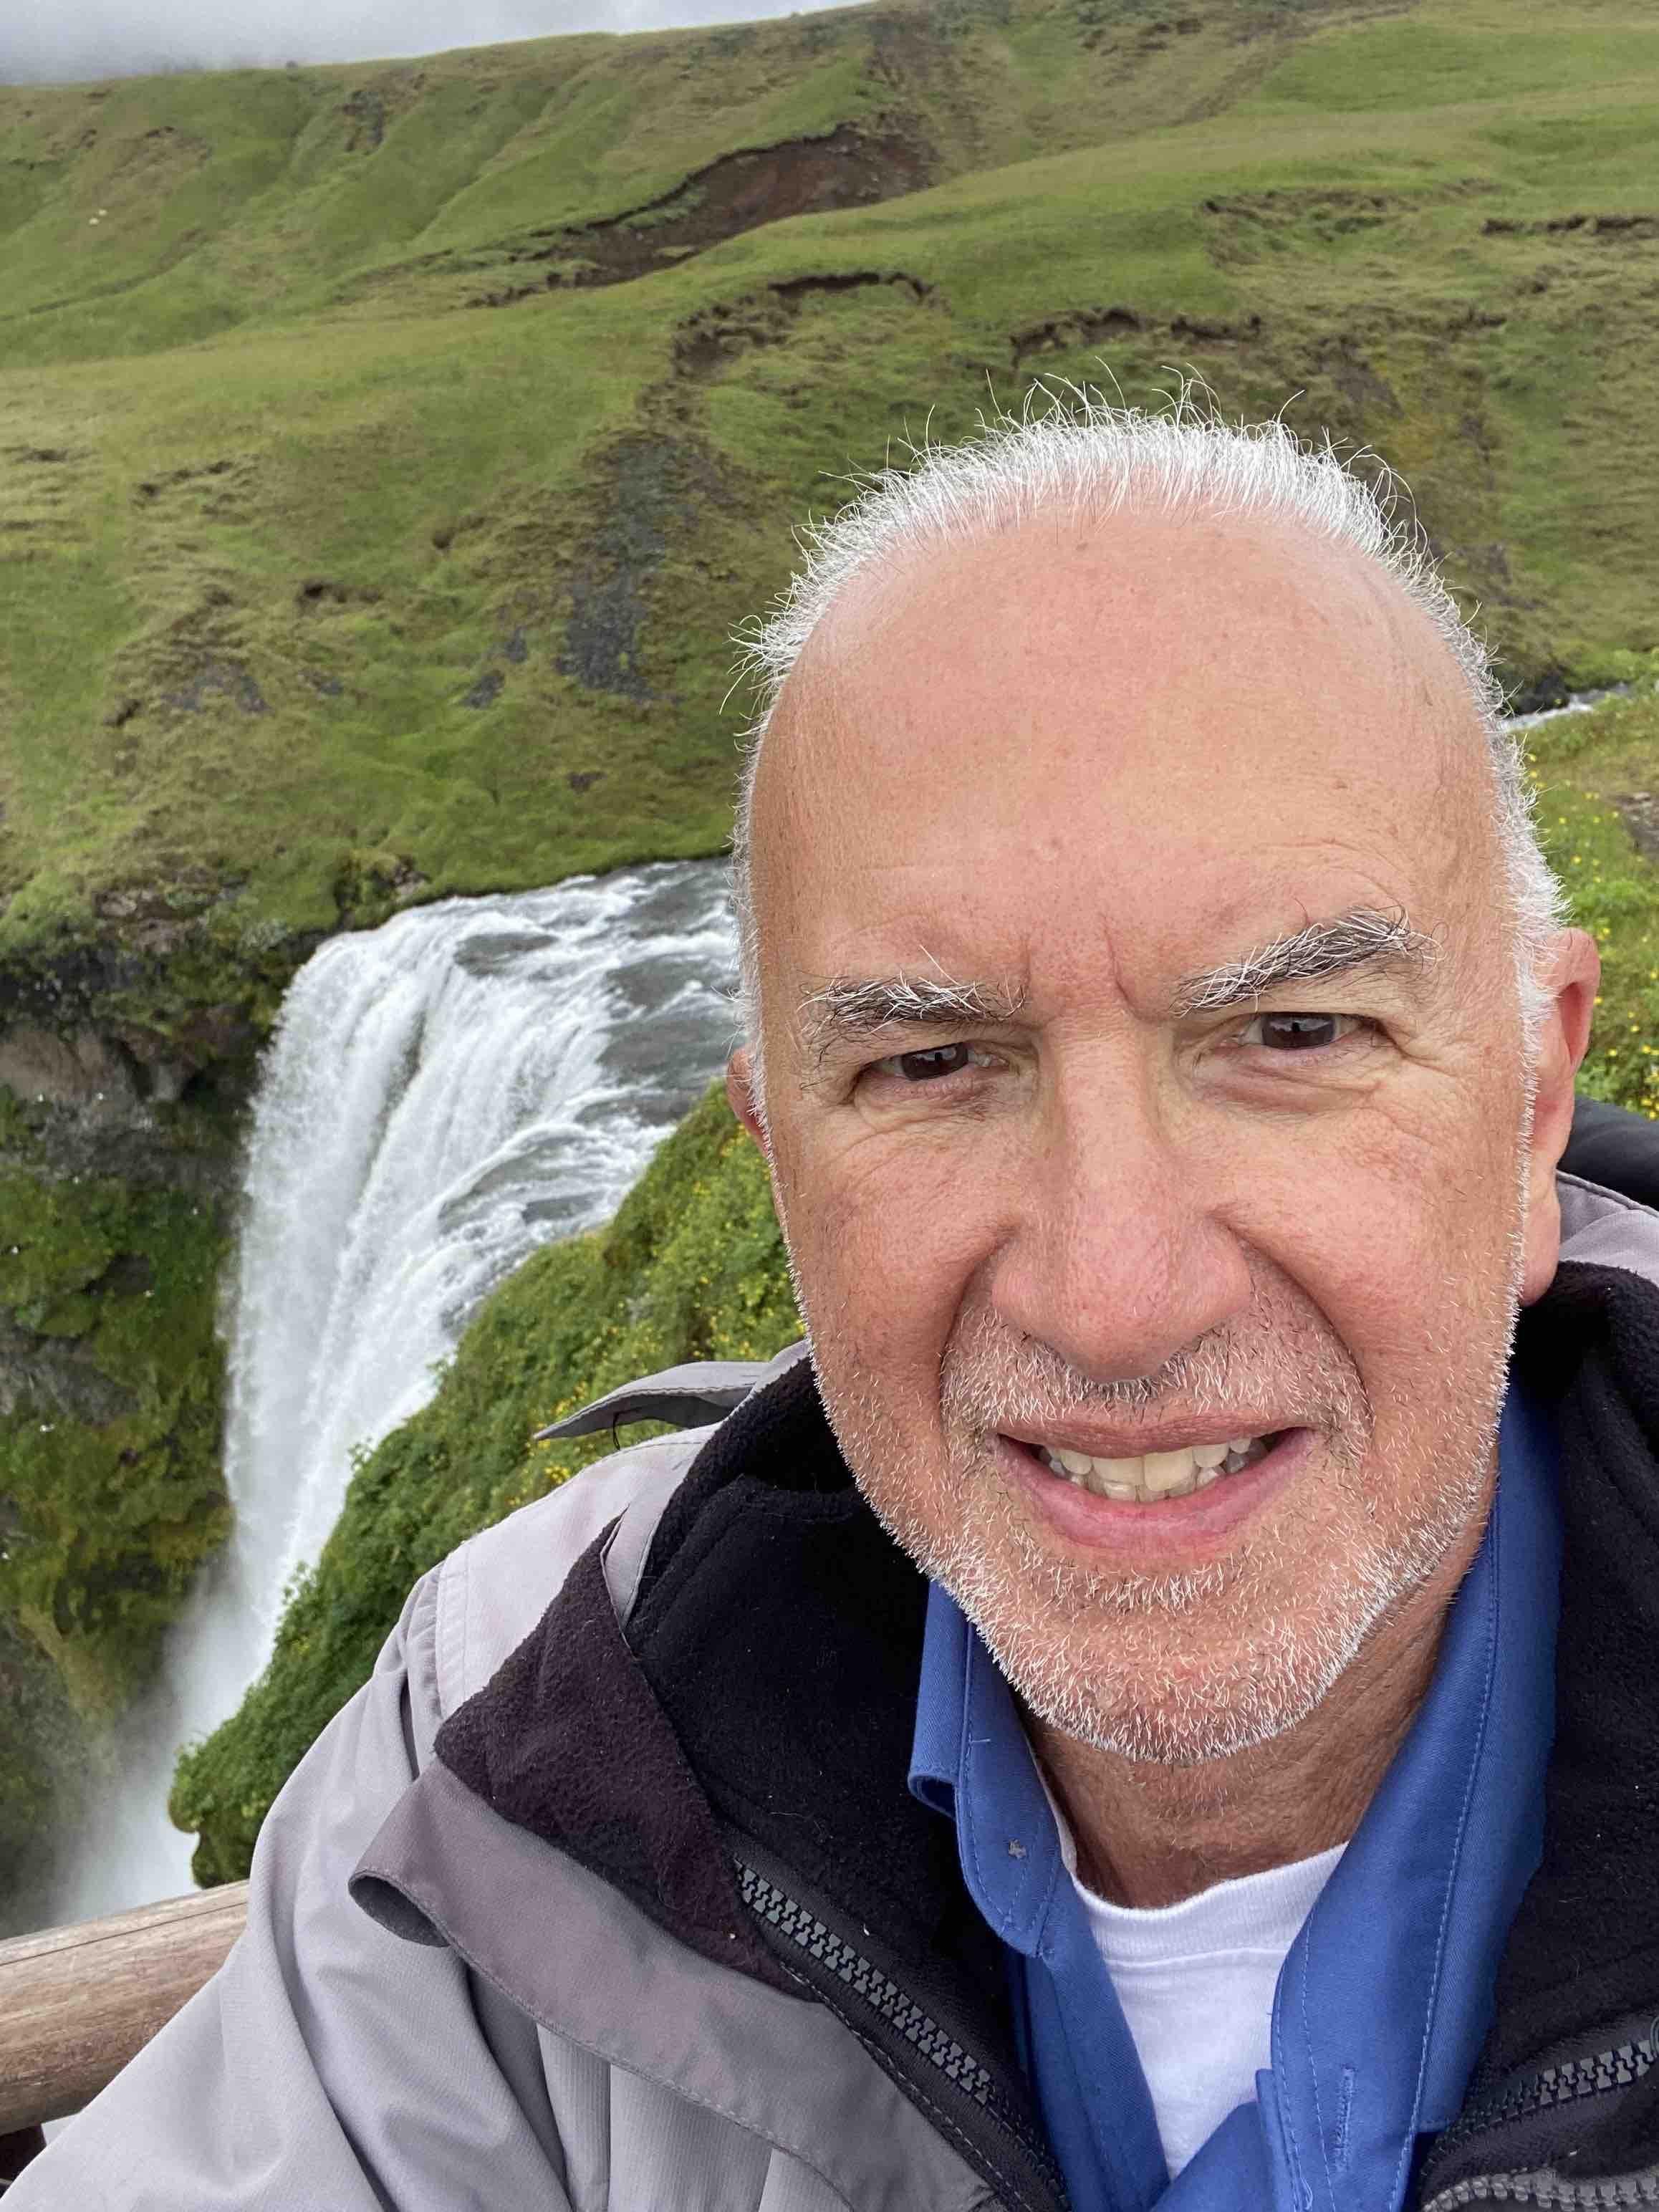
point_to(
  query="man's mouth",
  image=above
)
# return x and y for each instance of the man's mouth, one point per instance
(1154, 1478)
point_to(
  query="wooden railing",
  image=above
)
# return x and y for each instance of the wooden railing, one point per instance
(77, 2002)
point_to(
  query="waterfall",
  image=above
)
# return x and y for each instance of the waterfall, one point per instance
(441, 1095)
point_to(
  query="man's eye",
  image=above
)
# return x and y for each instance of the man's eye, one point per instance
(1299, 1032)
(927, 1067)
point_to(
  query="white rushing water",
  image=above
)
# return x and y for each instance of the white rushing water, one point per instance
(441, 1096)
(1576, 702)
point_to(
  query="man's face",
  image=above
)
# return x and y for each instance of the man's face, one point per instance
(1060, 1241)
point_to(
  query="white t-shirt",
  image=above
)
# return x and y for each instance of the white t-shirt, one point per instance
(1196, 1983)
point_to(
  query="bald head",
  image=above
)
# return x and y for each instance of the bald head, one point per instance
(1066, 715)
(1146, 577)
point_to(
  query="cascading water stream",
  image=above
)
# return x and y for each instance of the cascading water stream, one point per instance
(441, 1096)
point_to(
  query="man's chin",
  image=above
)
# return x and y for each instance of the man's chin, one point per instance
(1168, 1678)
(1191, 1719)
(1171, 1668)
(1176, 1733)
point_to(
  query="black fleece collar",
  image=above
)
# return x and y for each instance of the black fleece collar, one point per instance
(773, 1654)
(759, 1713)
(1585, 1946)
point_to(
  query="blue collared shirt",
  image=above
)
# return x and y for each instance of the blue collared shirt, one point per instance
(1386, 1995)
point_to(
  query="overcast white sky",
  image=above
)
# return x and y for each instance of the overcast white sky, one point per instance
(53, 38)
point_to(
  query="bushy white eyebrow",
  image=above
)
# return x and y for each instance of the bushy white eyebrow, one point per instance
(850, 1006)
(1361, 938)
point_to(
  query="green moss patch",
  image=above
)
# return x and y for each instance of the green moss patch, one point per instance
(111, 1491)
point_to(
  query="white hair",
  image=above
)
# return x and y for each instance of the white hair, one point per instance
(1071, 452)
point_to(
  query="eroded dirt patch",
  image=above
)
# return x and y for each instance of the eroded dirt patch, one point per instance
(364, 119)
(1082, 326)
(1339, 211)
(369, 108)
(41, 491)
(714, 337)
(197, 661)
(660, 486)
(654, 486)
(739, 193)
(1244, 227)
(218, 675)
(217, 489)
(1639, 812)
(1092, 327)
(1625, 229)
(200, 653)
(326, 594)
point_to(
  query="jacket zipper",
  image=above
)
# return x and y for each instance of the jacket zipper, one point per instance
(1617, 2068)
(1548, 2190)
(1562, 2084)
(899, 2011)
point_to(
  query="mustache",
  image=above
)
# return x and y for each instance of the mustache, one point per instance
(993, 1377)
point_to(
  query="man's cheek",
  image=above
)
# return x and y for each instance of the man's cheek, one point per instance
(1380, 1236)
(864, 1261)
(910, 1211)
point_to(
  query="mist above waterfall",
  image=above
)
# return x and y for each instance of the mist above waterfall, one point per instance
(441, 1096)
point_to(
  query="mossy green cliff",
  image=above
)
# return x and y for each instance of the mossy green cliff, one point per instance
(109, 1424)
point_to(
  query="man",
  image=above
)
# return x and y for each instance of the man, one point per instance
(1158, 1710)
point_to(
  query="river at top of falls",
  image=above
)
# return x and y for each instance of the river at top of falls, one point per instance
(441, 1096)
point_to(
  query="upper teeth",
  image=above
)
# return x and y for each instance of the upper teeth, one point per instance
(1157, 1474)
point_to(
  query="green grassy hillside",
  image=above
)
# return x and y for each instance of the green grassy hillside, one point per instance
(385, 453)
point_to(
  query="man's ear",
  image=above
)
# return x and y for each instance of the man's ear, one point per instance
(1570, 975)
(740, 1090)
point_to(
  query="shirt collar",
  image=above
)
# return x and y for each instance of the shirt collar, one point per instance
(1446, 1849)
(970, 1761)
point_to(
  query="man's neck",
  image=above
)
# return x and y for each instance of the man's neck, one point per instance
(1149, 1834)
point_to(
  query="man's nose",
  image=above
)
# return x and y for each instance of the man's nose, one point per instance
(1122, 1256)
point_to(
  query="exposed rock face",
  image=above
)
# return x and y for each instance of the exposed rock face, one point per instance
(108, 1072)
(56, 1375)
(81, 1069)
(112, 1100)
(130, 1050)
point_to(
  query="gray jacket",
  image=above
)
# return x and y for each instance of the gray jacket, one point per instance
(435, 2007)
